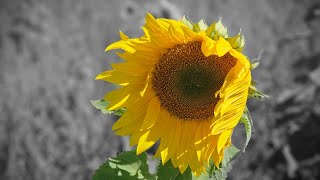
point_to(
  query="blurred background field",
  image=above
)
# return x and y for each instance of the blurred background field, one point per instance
(51, 51)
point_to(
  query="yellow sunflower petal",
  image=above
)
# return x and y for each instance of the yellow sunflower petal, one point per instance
(217, 157)
(130, 117)
(241, 58)
(164, 120)
(123, 121)
(168, 143)
(208, 47)
(176, 34)
(223, 46)
(152, 113)
(125, 78)
(118, 97)
(152, 24)
(132, 127)
(123, 36)
(144, 143)
(212, 144)
(183, 167)
(121, 45)
(224, 137)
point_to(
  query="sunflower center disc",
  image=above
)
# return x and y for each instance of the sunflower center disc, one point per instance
(185, 81)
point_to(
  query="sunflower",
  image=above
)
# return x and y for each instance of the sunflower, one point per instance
(184, 85)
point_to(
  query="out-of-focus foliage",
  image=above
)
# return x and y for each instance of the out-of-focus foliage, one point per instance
(51, 51)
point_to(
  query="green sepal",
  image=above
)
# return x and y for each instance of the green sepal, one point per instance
(237, 42)
(196, 28)
(217, 29)
(102, 105)
(126, 165)
(256, 93)
(256, 61)
(254, 65)
(200, 26)
(185, 20)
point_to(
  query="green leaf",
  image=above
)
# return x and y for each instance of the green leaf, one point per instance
(216, 174)
(225, 167)
(203, 176)
(126, 165)
(167, 171)
(222, 173)
(229, 153)
(102, 105)
(248, 124)
(211, 169)
(187, 175)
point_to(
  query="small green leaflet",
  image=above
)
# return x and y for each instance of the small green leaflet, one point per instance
(254, 64)
(253, 91)
(119, 112)
(102, 105)
(248, 125)
(256, 93)
(125, 166)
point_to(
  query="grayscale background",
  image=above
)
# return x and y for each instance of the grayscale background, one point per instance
(51, 51)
